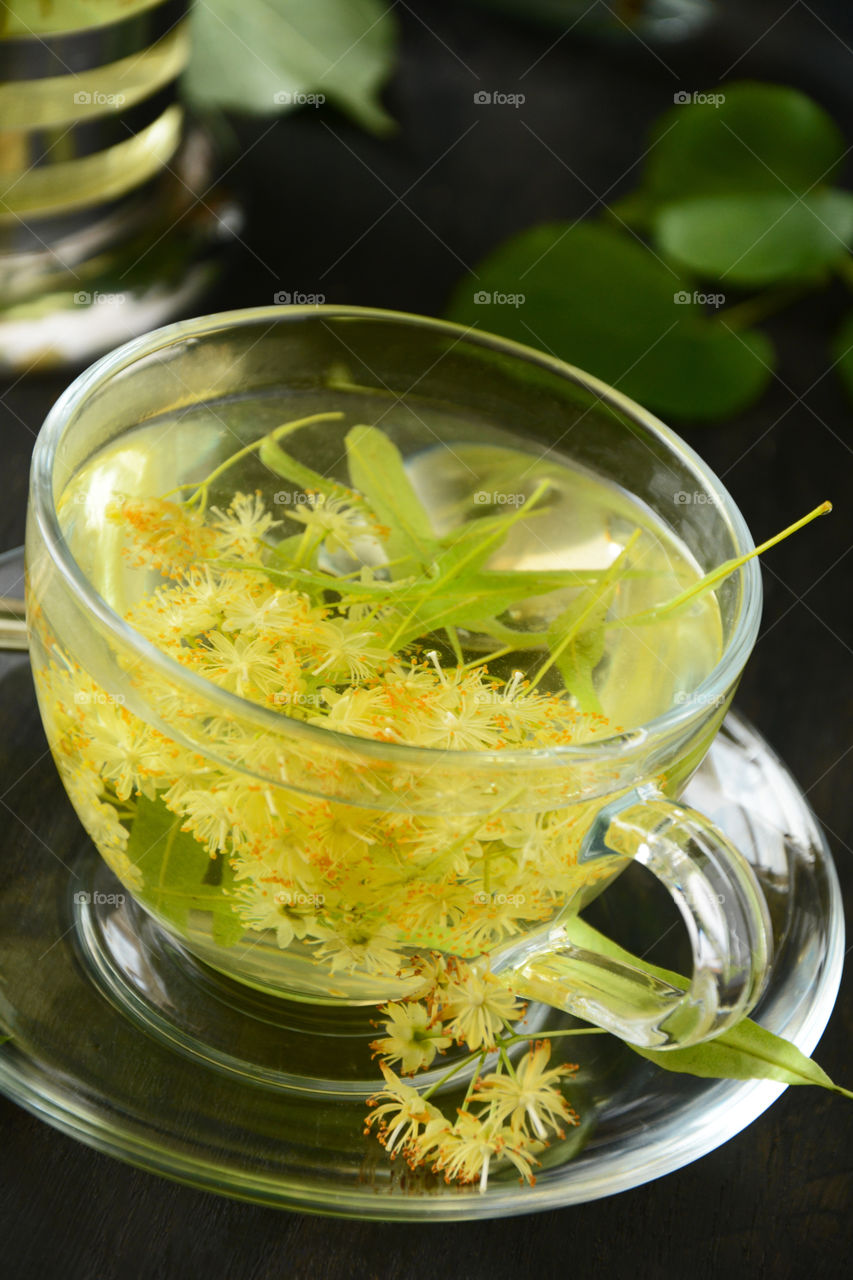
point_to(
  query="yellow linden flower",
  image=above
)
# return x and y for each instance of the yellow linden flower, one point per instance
(531, 1096)
(466, 1151)
(348, 653)
(268, 612)
(520, 712)
(362, 712)
(84, 787)
(280, 867)
(123, 750)
(117, 860)
(411, 1037)
(496, 916)
(206, 816)
(460, 723)
(242, 666)
(479, 1005)
(404, 1116)
(333, 521)
(169, 616)
(446, 845)
(243, 526)
(263, 907)
(164, 535)
(542, 838)
(252, 810)
(351, 945)
(433, 912)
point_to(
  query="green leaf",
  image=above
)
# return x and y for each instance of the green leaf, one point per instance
(451, 594)
(377, 471)
(289, 468)
(608, 305)
(746, 1051)
(577, 638)
(521, 584)
(842, 349)
(180, 876)
(469, 546)
(260, 55)
(757, 239)
(688, 595)
(762, 138)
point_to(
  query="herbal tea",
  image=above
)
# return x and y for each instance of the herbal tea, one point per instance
(386, 688)
(422, 582)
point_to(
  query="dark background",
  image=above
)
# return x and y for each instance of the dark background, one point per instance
(396, 223)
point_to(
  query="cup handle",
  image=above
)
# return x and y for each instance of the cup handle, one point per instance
(724, 911)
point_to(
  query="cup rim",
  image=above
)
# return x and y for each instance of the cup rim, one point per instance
(707, 694)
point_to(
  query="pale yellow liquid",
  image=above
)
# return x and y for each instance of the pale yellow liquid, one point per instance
(460, 469)
(583, 523)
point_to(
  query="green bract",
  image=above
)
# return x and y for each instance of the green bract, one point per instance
(745, 1052)
(195, 880)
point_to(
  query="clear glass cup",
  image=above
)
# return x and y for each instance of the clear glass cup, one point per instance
(604, 802)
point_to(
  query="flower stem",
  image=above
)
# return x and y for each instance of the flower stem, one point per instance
(448, 1075)
(716, 575)
(201, 490)
(509, 1041)
(473, 1083)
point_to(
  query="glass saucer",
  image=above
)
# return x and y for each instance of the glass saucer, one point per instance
(123, 1041)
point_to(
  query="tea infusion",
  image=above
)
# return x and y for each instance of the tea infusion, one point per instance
(463, 596)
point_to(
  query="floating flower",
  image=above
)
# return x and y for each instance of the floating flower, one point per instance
(530, 1097)
(350, 945)
(404, 1116)
(241, 665)
(242, 526)
(267, 906)
(122, 749)
(334, 522)
(412, 1038)
(164, 535)
(348, 653)
(466, 1152)
(479, 1006)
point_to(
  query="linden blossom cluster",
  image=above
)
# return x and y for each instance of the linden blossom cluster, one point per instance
(507, 1115)
(346, 880)
(334, 625)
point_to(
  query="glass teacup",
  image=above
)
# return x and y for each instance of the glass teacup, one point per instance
(325, 866)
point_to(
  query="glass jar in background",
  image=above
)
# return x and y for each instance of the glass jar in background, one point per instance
(109, 216)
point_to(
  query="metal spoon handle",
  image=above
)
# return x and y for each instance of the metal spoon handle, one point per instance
(13, 624)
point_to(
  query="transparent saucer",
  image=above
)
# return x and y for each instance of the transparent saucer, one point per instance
(120, 1039)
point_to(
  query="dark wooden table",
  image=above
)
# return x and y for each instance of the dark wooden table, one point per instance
(395, 223)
